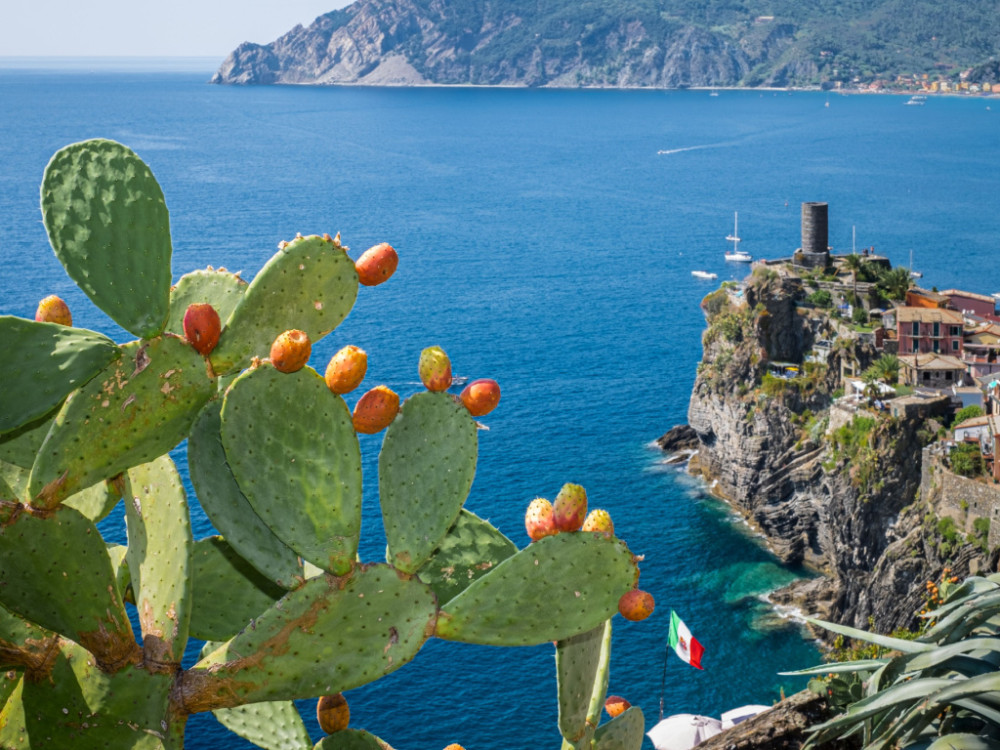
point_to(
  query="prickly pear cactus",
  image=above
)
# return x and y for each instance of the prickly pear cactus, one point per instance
(286, 609)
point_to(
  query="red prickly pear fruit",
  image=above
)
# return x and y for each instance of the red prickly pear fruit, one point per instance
(53, 309)
(435, 369)
(615, 705)
(376, 410)
(481, 397)
(290, 351)
(636, 605)
(202, 327)
(599, 520)
(333, 713)
(570, 507)
(376, 264)
(346, 370)
(538, 520)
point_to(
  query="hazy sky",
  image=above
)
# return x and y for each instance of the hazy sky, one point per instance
(200, 28)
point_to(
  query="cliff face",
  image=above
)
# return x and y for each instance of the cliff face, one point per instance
(850, 510)
(413, 42)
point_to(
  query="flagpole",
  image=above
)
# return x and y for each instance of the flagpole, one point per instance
(663, 682)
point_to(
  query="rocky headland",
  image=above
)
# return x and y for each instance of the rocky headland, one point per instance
(835, 490)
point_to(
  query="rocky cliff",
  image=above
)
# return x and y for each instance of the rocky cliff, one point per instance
(843, 501)
(613, 43)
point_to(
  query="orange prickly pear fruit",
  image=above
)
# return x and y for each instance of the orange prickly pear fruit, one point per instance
(636, 605)
(600, 521)
(481, 397)
(376, 264)
(346, 370)
(538, 519)
(333, 713)
(376, 410)
(616, 705)
(202, 327)
(454, 746)
(570, 507)
(290, 351)
(53, 309)
(435, 369)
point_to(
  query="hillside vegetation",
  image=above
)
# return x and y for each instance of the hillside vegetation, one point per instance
(646, 43)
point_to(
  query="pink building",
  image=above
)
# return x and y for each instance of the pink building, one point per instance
(977, 304)
(929, 329)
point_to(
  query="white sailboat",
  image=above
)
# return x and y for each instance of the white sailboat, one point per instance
(914, 274)
(736, 255)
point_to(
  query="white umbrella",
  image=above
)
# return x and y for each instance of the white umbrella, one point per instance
(683, 731)
(734, 717)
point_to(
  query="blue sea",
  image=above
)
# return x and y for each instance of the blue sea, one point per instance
(546, 240)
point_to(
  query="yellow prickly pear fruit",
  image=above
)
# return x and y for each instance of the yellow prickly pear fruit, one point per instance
(570, 507)
(376, 410)
(435, 369)
(53, 309)
(333, 713)
(346, 370)
(538, 520)
(599, 520)
(290, 351)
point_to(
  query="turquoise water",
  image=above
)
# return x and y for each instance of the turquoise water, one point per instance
(545, 242)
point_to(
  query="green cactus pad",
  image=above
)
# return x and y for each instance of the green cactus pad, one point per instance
(119, 566)
(78, 706)
(22, 644)
(218, 287)
(351, 739)
(20, 447)
(329, 635)
(54, 571)
(229, 510)
(555, 588)
(471, 549)
(43, 363)
(228, 592)
(15, 481)
(624, 732)
(273, 725)
(108, 224)
(582, 674)
(135, 410)
(425, 471)
(310, 285)
(159, 558)
(9, 682)
(94, 503)
(293, 450)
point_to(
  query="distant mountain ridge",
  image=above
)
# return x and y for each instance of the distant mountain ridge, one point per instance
(624, 43)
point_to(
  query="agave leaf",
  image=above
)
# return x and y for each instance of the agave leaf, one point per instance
(865, 665)
(897, 644)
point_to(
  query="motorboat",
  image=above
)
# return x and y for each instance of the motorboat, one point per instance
(704, 275)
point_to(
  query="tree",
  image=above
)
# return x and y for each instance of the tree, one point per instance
(853, 263)
(887, 368)
(895, 282)
(966, 459)
(969, 412)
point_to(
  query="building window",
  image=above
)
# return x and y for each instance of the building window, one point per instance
(937, 346)
(956, 331)
(954, 345)
(927, 376)
(947, 375)
(916, 328)
(937, 330)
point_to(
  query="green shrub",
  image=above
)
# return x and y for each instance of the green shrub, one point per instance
(966, 459)
(820, 298)
(969, 412)
(860, 315)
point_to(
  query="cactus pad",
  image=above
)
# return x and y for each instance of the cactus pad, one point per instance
(273, 725)
(76, 705)
(54, 570)
(21, 446)
(22, 643)
(43, 363)
(624, 732)
(295, 455)
(471, 549)
(135, 410)
(229, 510)
(310, 284)
(108, 224)
(219, 288)
(159, 552)
(351, 739)
(555, 588)
(582, 673)
(228, 592)
(426, 467)
(329, 635)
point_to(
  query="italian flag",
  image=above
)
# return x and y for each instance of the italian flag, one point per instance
(683, 643)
